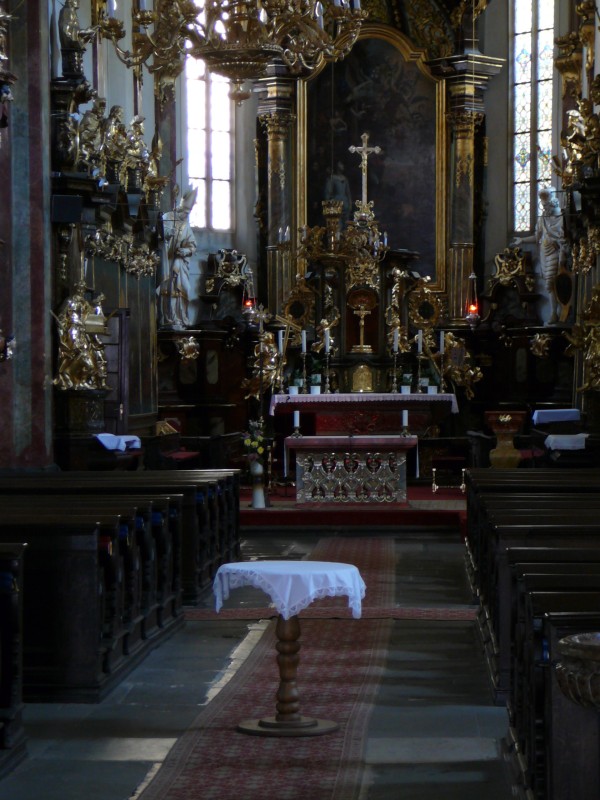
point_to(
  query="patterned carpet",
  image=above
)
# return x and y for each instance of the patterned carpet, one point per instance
(341, 663)
(341, 666)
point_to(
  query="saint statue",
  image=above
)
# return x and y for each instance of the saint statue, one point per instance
(552, 244)
(178, 247)
(337, 187)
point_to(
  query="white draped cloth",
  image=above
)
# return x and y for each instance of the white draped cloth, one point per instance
(292, 585)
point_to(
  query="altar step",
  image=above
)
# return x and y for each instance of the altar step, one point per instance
(446, 508)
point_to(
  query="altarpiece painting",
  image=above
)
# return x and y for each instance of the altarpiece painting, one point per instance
(384, 89)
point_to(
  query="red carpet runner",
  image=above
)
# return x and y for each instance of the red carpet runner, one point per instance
(341, 664)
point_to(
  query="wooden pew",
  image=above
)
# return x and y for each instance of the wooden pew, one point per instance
(72, 616)
(13, 741)
(534, 733)
(583, 531)
(151, 551)
(210, 510)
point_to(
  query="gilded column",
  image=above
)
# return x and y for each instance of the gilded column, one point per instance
(275, 114)
(466, 76)
(464, 124)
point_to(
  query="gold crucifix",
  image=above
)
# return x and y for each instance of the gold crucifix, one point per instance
(364, 151)
(361, 347)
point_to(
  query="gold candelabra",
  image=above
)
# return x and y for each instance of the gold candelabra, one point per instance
(235, 38)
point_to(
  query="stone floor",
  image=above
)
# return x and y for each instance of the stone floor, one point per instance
(434, 732)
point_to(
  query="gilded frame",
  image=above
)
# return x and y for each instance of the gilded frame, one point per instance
(310, 164)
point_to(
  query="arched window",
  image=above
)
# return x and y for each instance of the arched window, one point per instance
(533, 105)
(209, 146)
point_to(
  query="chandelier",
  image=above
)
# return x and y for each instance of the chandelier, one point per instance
(235, 38)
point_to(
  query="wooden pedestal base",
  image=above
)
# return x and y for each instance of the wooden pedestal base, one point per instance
(288, 720)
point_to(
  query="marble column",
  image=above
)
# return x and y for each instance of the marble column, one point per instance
(26, 258)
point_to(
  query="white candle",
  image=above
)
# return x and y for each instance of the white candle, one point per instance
(405, 419)
(395, 340)
(327, 341)
(111, 8)
(441, 342)
(280, 340)
(420, 342)
(143, 5)
(296, 419)
(303, 337)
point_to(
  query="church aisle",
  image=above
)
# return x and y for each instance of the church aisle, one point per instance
(433, 731)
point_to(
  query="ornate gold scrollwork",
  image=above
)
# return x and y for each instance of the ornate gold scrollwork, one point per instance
(300, 305)
(569, 62)
(511, 265)
(424, 307)
(586, 337)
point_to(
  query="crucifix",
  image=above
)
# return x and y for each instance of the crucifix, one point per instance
(364, 151)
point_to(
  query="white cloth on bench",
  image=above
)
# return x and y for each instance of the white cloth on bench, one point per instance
(573, 441)
(122, 443)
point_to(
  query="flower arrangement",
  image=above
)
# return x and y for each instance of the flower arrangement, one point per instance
(254, 441)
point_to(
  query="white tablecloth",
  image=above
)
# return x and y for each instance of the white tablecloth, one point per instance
(292, 585)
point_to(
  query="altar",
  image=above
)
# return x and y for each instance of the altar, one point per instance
(356, 413)
(358, 453)
(351, 469)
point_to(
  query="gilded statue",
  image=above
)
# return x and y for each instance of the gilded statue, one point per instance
(90, 135)
(114, 142)
(266, 367)
(71, 35)
(81, 359)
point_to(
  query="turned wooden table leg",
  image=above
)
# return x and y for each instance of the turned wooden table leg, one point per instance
(288, 721)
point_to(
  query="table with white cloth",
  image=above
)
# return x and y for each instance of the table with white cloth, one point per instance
(292, 586)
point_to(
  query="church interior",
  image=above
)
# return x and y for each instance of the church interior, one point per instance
(299, 302)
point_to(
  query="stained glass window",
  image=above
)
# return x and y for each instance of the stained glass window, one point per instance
(533, 104)
(209, 151)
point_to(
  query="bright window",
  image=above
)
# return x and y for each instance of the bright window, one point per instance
(209, 146)
(533, 104)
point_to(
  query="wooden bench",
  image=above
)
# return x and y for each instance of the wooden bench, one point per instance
(77, 625)
(537, 731)
(210, 510)
(507, 530)
(13, 741)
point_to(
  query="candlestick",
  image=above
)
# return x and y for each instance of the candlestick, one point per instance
(395, 345)
(296, 419)
(327, 390)
(441, 342)
(394, 388)
(304, 378)
(280, 340)
(327, 340)
(303, 338)
(405, 419)
(419, 341)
